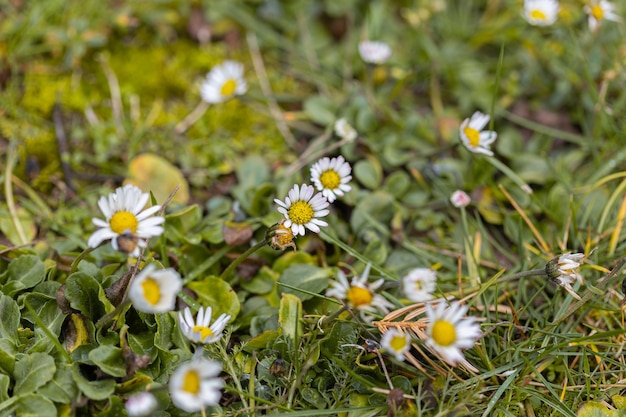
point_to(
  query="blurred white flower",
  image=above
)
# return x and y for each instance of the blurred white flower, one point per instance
(223, 82)
(200, 330)
(331, 177)
(302, 208)
(196, 385)
(344, 130)
(126, 218)
(600, 10)
(460, 199)
(473, 136)
(396, 343)
(142, 404)
(449, 332)
(562, 270)
(155, 291)
(374, 52)
(419, 284)
(541, 12)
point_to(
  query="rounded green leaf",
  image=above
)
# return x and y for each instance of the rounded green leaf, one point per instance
(218, 294)
(308, 278)
(369, 173)
(33, 371)
(109, 359)
(155, 174)
(24, 272)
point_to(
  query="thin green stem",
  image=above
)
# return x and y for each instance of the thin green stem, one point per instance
(79, 258)
(531, 273)
(8, 193)
(242, 258)
(48, 332)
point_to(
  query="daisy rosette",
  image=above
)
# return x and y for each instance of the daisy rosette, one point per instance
(344, 130)
(419, 284)
(374, 52)
(396, 343)
(473, 136)
(126, 219)
(142, 404)
(448, 331)
(154, 291)
(358, 293)
(598, 11)
(331, 177)
(541, 12)
(201, 330)
(563, 271)
(196, 385)
(223, 82)
(302, 209)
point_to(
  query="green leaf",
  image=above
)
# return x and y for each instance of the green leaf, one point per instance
(8, 228)
(83, 292)
(32, 371)
(309, 278)
(24, 272)
(289, 319)
(369, 173)
(10, 313)
(62, 388)
(320, 109)
(157, 175)
(34, 405)
(109, 359)
(260, 341)
(4, 387)
(96, 390)
(163, 335)
(619, 401)
(218, 294)
(397, 184)
(179, 223)
(262, 283)
(595, 409)
(115, 408)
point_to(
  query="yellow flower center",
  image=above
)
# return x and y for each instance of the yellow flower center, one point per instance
(597, 12)
(151, 291)
(228, 88)
(398, 343)
(358, 296)
(283, 235)
(122, 221)
(537, 14)
(300, 212)
(473, 136)
(191, 382)
(204, 331)
(418, 285)
(444, 333)
(330, 179)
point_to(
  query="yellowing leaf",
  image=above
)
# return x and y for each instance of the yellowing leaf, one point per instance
(154, 174)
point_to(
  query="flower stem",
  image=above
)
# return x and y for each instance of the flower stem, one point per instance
(241, 258)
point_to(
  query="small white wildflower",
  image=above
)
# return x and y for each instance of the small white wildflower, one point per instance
(344, 130)
(396, 343)
(223, 82)
(302, 209)
(374, 52)
(473, 136)
(331, 177)
(541, 12)
(600, 10)
(460, 198)
(419, 284)
(142, 404)
(196, 385)
(562, 270)
(200, 330)
(154, 291)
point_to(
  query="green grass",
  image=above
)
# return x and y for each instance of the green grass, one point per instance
(87, 88)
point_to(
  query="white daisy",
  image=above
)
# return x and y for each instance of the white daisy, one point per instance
(419, 284)
(331, 177)
(153, 291)
(200, 330)
(196, 385)
(449, 332)
(396, 343)
(358, 293)
(460, 199)
(223, 82)
(344, 130)
(472, 135)
(141, 405)
(301, 209)
(374, 52)
(541, 12)
(599, 11)
(561, 270)
(124, 217)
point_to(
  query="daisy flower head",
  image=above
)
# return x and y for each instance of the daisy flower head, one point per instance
(303, 208)
(419, 284)
(396, 343)
(201, 330)
(141, 405)
(600, 10)
(125, 216)
(562, 270)
(374, 52)
(541, 12)
(331, 177)
(344, 130)
(196, 384)
(359, 293)
(448, 331)
(280, 237)
(460, 198)
(154, 291)
(223, 82)
(473, 136)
